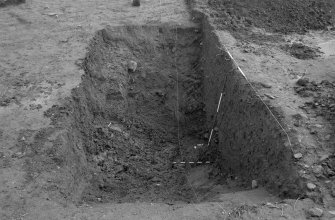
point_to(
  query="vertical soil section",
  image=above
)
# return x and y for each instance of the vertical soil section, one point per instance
(251, 143)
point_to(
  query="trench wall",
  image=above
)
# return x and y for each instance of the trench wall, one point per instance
(251, 143)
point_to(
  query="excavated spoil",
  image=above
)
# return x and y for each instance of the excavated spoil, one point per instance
(125, 128)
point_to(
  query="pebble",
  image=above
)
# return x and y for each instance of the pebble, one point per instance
(132, 65)
(114, 128)
(267, 86)
(315, 212)
(332, 212)
(269, 96)
(317, 170)
(254, 184)
(155, 179)
(298, 155)
(311, 186)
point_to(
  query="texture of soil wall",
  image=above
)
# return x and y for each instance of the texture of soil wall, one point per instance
(251, 143)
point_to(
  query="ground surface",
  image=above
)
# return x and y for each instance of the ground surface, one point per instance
(42, 47)
(296, 16)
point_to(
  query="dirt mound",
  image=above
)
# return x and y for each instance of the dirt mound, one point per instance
(284, 16)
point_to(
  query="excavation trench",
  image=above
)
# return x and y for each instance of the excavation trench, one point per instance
(138, 127)
(135, 124)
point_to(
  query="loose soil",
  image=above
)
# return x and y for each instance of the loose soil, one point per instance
(283, 16)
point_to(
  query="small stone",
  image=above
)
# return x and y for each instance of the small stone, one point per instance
(269, 96)
(332, 212)
(132, 65)
(311, 186)
(327, 137)
(114, 128)
(317, 170)
(155, 179)
(298, 156)
(315, 212)
(119, 169)
(267, 86)
(254, 184)
(303, 81)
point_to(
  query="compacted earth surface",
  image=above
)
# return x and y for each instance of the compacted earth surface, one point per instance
(103, 110)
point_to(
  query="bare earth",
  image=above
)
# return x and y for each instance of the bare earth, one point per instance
(42, 46)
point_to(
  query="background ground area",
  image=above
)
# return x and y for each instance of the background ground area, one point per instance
(43, 44)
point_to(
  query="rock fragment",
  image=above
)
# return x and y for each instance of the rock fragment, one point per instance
(317, 170)
(298, 156)
(132, 65)
(311, 186)
(315, 212)
(254, 184)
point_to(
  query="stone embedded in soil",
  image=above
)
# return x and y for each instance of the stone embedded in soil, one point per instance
(267, 86)
(269, 96)
(254, 184)
(311, 186)
(315, 212)
(155, 179)
(132, 66)
(317, 170)
(115, 128)
(298, 155)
